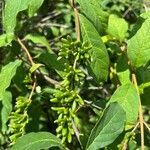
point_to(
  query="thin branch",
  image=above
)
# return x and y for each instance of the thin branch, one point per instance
(136, 126)
(141, 118)
(26, 51)
(76, 132)
(33, 87)
(145, 7)
(147, 126)
(50, 16)
(32, 63)
(127, 11)
(77, 22)
(90, 103)
(52, 25)
(47, 78)
(50, 80)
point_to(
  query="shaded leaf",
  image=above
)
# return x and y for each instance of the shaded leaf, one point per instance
(51, 61)
(99, 57)
(6, 75)
(123, 71)
(37, 141)
(6, 110)
(143, 75)
(39, 40)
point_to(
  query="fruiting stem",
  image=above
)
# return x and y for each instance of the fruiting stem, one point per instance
(141, 119)
(26, 51)
(77, 22)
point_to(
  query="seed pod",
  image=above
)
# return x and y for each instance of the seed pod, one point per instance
(63, 139)
(59, 135)
(74, 106)
(64, 131)
(59, 129)
(58, 109)
(80, 100)
(69, 137)
(54, 100)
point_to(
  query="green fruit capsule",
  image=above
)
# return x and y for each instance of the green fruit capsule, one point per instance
(80, 100)
(71, 131)
(69, 99)
(59, 120)
(60, 116)
(69, 137)
(58, 109)
(59, 129)
(63, 139)
(64, 131)
(74, 106)
(54, 100)
(59, 135)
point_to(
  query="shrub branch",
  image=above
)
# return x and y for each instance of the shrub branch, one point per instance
(141, 118)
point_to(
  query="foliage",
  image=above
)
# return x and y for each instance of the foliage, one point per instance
(75, 75)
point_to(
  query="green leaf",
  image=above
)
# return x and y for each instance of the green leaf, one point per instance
(6, 110)
(123, 71)
(39, 40)
(127, 97)
(143, 76)
(99, 57)
(5, 39)
(139, 46)
(145, 15)
(34, 5)
(94, 13)
(108, 128)
(35, 67)
(13, 7)
(6, 75)
(50, 60)
(117, 27)
(37, 141)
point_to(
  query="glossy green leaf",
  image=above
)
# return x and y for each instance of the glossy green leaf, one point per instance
(127, 97)
(13, 7)
(117, 27)
(37, 39)
(95, 14)
(6, 75)
(108, 128)
(139, 46)
(37, 141)
(99, 57)
(33, 6)
(5, 110)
